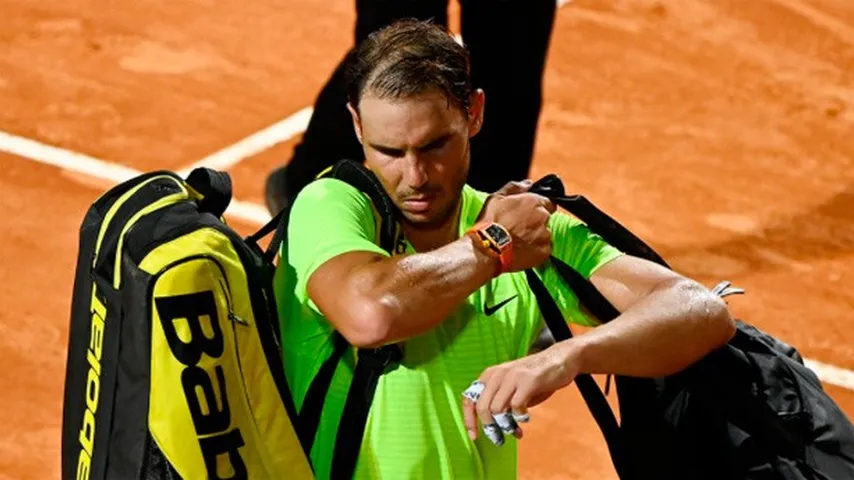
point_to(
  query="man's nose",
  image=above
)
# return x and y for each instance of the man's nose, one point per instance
(416, 172)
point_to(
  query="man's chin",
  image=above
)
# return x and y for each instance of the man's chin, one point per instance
(423, 220)
(419, 218)
(436, 216)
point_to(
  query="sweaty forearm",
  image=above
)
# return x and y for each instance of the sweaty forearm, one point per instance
(413, 293)
(674, 326)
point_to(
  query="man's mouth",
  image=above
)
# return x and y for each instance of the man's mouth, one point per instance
(419, 204)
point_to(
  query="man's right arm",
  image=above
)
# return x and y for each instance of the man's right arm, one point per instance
(373, 299)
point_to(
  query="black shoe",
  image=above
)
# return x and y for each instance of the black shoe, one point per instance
(275, 190)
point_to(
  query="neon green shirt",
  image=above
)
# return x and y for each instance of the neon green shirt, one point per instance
(415, 427)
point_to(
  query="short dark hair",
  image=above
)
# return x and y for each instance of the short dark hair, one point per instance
(408, 58)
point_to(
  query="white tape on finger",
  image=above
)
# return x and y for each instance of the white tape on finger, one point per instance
(493, 433)
(505, 422)
(521, 417)
(474, 391)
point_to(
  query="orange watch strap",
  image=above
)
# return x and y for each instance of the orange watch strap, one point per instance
(483, 244)
(504, 254)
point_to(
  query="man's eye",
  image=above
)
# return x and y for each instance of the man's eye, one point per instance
(435, 145)
(391, 152)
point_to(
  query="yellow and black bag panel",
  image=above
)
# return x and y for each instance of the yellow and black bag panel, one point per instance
(174, 370)
(95, 327)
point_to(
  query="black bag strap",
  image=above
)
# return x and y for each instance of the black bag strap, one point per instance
(598, 221)
(619, 237)
(370, 363)
(363, 179)
(214, 187)
(312, 405)
(277, 224)
(216, 190)
(593, 396)
(356, 175)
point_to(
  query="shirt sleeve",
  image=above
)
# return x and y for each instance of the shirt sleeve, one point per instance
(328, 218)
(583, 250)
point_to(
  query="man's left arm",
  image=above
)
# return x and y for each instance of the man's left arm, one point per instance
(667, 322)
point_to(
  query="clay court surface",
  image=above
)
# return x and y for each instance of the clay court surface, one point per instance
(718, 130)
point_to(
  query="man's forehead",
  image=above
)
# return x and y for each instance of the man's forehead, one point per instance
(408, 122)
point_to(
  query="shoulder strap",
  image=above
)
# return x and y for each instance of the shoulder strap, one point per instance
(356, 175)
(598, 221)
(618, 236)
(370, 363)
(363, 179)
(596, 401)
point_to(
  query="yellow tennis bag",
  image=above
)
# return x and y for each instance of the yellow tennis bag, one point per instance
(174, 366)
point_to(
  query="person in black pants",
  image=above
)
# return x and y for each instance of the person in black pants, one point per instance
(508, 41)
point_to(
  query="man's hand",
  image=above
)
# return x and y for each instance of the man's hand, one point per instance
(502, 395)
(525, 215)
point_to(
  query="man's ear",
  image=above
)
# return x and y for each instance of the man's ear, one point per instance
(477, 104)
(357, 124)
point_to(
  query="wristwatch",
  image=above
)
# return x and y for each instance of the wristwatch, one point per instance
(496, 241)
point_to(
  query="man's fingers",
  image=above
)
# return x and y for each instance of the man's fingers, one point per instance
(482, 407)
(491, 402)
(521, 415)
(490, 427)
(512, 188)
(470, 418)
(501, 399)
(471, 396)
(493, 433)
(474, 391)
(506, 423)
(547, 204)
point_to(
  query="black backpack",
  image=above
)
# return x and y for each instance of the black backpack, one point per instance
(749, 410)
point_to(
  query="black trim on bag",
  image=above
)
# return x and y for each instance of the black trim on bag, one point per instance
(79, 335)
(105, 201)
(128, 435)
(100, 277)
(147, 195)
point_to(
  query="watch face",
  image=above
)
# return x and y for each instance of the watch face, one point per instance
(498, 234)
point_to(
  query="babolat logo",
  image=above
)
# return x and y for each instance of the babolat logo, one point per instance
(212, 420)
(98, 312)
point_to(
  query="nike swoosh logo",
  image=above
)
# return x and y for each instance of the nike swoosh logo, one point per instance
(490, 310)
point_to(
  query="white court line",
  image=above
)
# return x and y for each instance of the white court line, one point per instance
(250, 212)
(102, 170)
(256, 143)
(831, 374)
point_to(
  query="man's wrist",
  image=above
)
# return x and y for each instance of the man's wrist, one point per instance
(483, 257)
(574, 353)
(495, 240)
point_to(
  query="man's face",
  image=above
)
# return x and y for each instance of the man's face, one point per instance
(419, 149)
